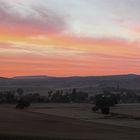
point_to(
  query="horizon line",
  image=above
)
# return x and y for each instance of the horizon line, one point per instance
(69, 75)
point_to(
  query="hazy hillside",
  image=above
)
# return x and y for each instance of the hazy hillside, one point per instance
(91, 83)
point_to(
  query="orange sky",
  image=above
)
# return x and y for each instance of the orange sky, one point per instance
(46, 41)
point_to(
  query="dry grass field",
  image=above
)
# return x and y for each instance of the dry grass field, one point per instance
(33, 124)
(126, 114)
(128, 109)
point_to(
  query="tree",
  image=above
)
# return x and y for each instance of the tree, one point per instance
(20, 92)
(10, 96)
(78, 96)
(105, 110)
(50, 94)
(103, 103)
(74, 94)
(95, 108)
(23, 103)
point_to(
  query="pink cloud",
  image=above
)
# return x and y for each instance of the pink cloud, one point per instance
(38, 21)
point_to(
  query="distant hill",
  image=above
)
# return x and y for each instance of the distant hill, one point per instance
(31, 77)
(3, 78)
(91, 84)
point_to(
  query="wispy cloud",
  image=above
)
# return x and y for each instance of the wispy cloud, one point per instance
(82, 37)
(38, 20)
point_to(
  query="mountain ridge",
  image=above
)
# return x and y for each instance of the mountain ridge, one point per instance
(46, 76)
(91, 84)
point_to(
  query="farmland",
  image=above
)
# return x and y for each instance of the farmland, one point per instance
(61, 121)
(126, 114)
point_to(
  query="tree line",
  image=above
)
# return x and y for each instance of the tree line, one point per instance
(108, 97)
(58, 96)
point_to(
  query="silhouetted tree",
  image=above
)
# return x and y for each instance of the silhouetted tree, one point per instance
(95, 108)
(23, 103)
(20, 92)
(50, 94)
(103, 102)
(105, 110)
(74, 94)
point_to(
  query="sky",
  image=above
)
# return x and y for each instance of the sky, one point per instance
(69, 37)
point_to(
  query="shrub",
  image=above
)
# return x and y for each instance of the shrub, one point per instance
(95, 108)
(22, 104)
(105, 110)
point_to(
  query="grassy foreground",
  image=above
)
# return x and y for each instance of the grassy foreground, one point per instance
(28, 125)
(15, 137)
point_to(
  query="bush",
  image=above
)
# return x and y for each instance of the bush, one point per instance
(95, 108)
(23, 104)
(105, 110)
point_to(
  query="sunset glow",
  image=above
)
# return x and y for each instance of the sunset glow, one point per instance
(69, 37)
